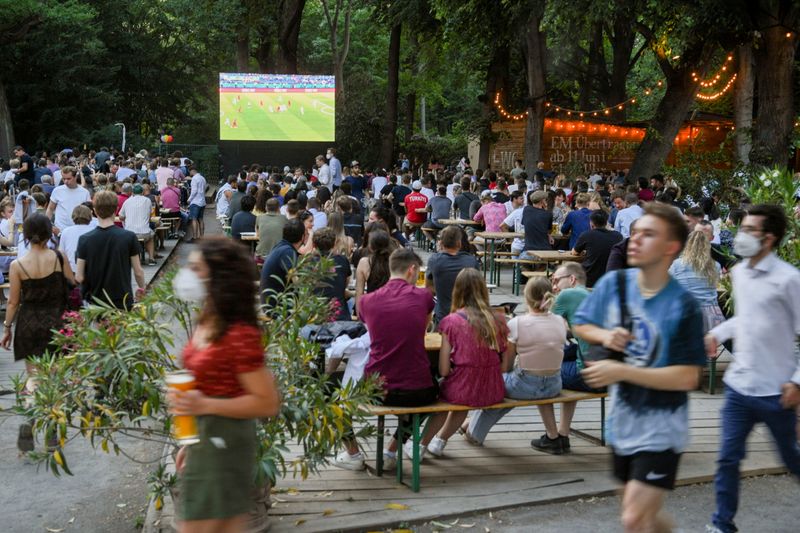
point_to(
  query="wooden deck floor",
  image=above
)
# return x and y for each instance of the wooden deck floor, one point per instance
(505, 472)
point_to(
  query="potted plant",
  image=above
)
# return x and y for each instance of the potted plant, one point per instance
(107, 381)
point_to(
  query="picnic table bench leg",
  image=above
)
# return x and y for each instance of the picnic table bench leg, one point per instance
(415, 455)
(399, 462)
(515, 279)
(379, 452)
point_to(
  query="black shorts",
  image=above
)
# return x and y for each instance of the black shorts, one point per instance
(653, 468)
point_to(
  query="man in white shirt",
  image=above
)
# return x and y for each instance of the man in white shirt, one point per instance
(223, 199)
(320, 218)
(65, 198)
(324, 173)
(427, 189)
(135, 215)
(336, 168)
(68, 242)
(627, 216)
(379, 181)
(763, 381)
(513, 222)
(163, 173)
(197, 202)
(125, 171)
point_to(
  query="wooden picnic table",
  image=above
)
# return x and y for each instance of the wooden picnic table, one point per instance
(458, 222)
(250, 237)
(154, 220)
(490, 239)
(433, 342)
(8, 253)
(555, 256)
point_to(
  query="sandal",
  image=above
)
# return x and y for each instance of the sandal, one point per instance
(152, 262)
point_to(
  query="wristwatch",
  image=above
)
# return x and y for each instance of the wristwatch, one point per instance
(7, 325)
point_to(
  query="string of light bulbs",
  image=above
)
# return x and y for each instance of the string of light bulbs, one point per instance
(606, 111)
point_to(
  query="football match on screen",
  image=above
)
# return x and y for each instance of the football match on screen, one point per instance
(276, 107)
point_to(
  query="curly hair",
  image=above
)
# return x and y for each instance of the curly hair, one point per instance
(232, 278)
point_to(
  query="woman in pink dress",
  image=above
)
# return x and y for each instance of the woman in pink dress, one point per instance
(474, 342)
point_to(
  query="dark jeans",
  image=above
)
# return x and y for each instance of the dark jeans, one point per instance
(571, 378)
(410, 398)
(739, 414)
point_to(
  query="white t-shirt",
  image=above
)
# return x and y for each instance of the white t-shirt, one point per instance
(320, 219)
(68, 244)
(514, 223)
(378, 183)
(66, 201)
(222, 201)
(19, 207)
(428, 192)
(124, 172)
(57, 177)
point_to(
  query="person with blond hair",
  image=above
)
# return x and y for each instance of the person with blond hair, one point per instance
(532, 365)
(474, 343)
(698, 273)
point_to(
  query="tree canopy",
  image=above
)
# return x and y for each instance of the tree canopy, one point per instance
(416, 75)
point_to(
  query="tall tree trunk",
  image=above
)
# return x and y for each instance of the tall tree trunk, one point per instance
(774, 68)
(535, 47)
(621, 48)
(243, 49)
(743, 103)
(6, 126)
(496, 75)
(665, 125)
(389, 132)
(408, 116)
(291, 14)
(595, 67)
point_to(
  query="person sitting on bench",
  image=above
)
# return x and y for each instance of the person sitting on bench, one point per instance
(537, 339)
(397, 354)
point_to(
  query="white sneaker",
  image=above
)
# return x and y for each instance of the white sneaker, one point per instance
(436, 446)
(408, 450)
(389, 460)
(349, 462)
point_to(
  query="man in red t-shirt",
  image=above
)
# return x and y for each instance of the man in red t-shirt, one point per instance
(397, 354)
(415, 200)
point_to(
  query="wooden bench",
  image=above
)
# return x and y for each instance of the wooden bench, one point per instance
(381, 411)
(431, 235)
(516, 274)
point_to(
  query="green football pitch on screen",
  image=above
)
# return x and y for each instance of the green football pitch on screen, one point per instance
(264, 107)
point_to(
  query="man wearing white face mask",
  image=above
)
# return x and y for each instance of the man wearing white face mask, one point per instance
(763, 381)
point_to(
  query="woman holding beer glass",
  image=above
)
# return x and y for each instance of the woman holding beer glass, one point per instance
(231, 388)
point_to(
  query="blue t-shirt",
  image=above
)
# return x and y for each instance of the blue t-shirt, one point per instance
(577, 222)
(668, 330)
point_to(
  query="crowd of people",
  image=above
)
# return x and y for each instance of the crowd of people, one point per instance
(638, 314)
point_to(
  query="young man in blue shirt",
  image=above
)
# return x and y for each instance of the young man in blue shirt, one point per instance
(661, 347)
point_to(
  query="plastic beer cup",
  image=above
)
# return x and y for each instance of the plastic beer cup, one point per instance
(184, 427)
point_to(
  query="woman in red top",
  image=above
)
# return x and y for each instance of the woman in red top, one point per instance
(474, 342)
(234, 387)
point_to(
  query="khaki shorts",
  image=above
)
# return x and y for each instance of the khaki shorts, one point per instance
(145, 236)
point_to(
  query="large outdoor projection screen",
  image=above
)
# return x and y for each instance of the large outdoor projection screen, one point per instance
(276, 107)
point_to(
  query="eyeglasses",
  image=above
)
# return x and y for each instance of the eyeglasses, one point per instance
(751, 229)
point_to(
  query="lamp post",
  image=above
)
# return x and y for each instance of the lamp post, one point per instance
(123, 135)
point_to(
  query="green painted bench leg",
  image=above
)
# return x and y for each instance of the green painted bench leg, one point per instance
(399, 463)
(416, 458)
(602, 421)
(712, 376)
(379, 452)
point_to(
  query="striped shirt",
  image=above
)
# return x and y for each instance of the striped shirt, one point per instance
(136, 212)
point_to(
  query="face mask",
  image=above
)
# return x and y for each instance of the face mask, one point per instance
(746, 245)
(189, 287)
(328, 156)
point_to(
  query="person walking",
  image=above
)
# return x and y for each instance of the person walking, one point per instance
(652, 360)
(234, 388)
(698, 273)
(197, 202)
(37, 300)
(762, 384)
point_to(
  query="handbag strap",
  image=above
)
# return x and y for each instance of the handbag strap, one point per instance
(622, 282)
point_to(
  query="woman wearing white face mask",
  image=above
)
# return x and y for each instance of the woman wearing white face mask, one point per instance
(234, 387)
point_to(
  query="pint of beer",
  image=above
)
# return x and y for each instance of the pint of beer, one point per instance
(184, 427)
(421, 278)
